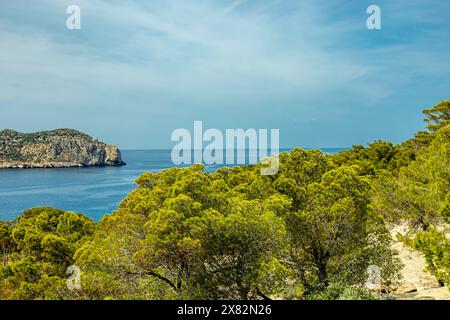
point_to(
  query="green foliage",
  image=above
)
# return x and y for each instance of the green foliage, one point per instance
(336, 237)
(445, 209)
(439, 116)
(37, 249)
(417, 195)
(376, 156)
(435, 246)
(382, 155)
(338, 291)
(185, 233)
(311, 231)
(235, 234)
(436, 118)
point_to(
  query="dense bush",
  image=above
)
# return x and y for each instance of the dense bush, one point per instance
(419, 195)
(309, 232)
(185, 233)
(37, 249)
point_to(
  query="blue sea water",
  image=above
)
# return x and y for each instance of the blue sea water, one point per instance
(92, 191)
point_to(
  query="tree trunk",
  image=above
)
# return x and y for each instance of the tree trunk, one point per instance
(322, 274)
(243, 293)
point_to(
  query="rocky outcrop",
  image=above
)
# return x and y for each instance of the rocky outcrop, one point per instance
(62, 148)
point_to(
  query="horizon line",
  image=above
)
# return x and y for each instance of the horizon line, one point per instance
(282, 149)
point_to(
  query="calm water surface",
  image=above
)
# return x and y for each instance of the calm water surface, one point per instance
(92, 191)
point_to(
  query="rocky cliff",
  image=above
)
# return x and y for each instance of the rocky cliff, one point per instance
(62, 148)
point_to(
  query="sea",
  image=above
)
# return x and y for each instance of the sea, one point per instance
(93, 191)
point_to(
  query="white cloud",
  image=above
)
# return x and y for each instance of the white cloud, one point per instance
(168, 58)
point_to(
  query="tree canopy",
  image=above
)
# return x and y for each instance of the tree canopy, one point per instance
(311, 231)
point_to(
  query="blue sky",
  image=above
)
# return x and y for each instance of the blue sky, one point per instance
(137, 70)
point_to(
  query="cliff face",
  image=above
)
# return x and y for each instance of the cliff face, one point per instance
(62, 148)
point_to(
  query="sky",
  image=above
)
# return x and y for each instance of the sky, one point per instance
(138, 70)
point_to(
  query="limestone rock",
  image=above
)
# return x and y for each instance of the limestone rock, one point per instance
(113, 155)
(406, 288)
(62, 148)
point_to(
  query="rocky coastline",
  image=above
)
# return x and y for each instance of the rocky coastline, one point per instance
(61, 148)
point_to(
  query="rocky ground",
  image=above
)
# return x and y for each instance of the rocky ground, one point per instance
(416, 282)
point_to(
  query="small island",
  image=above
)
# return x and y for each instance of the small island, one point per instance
(61, 148)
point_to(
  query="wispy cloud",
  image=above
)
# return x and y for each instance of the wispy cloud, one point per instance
(148, 67)
(234, 5)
